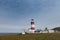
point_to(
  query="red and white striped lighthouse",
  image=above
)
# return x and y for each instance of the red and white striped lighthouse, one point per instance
(32, 24)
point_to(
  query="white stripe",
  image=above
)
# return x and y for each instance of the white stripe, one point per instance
(32, 25)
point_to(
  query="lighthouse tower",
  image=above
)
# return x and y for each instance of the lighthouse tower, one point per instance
(32, 29)
(32, 24)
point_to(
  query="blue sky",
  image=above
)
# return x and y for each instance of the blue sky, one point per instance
(15, 15)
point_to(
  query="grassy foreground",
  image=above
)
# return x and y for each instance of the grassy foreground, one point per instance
(52, 36)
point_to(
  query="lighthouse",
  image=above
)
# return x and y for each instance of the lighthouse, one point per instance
(32, 24)
(32, 28)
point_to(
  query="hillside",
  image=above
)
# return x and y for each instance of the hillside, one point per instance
(52, 36)
(57, 28)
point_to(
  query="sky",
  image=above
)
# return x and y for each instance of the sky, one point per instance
(16, 15)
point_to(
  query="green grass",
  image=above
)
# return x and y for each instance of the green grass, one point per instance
(46, 36)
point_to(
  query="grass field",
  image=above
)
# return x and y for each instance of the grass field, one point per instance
(52, 36)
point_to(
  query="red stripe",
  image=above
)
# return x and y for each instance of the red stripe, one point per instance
(32, 22)
(32, 28)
